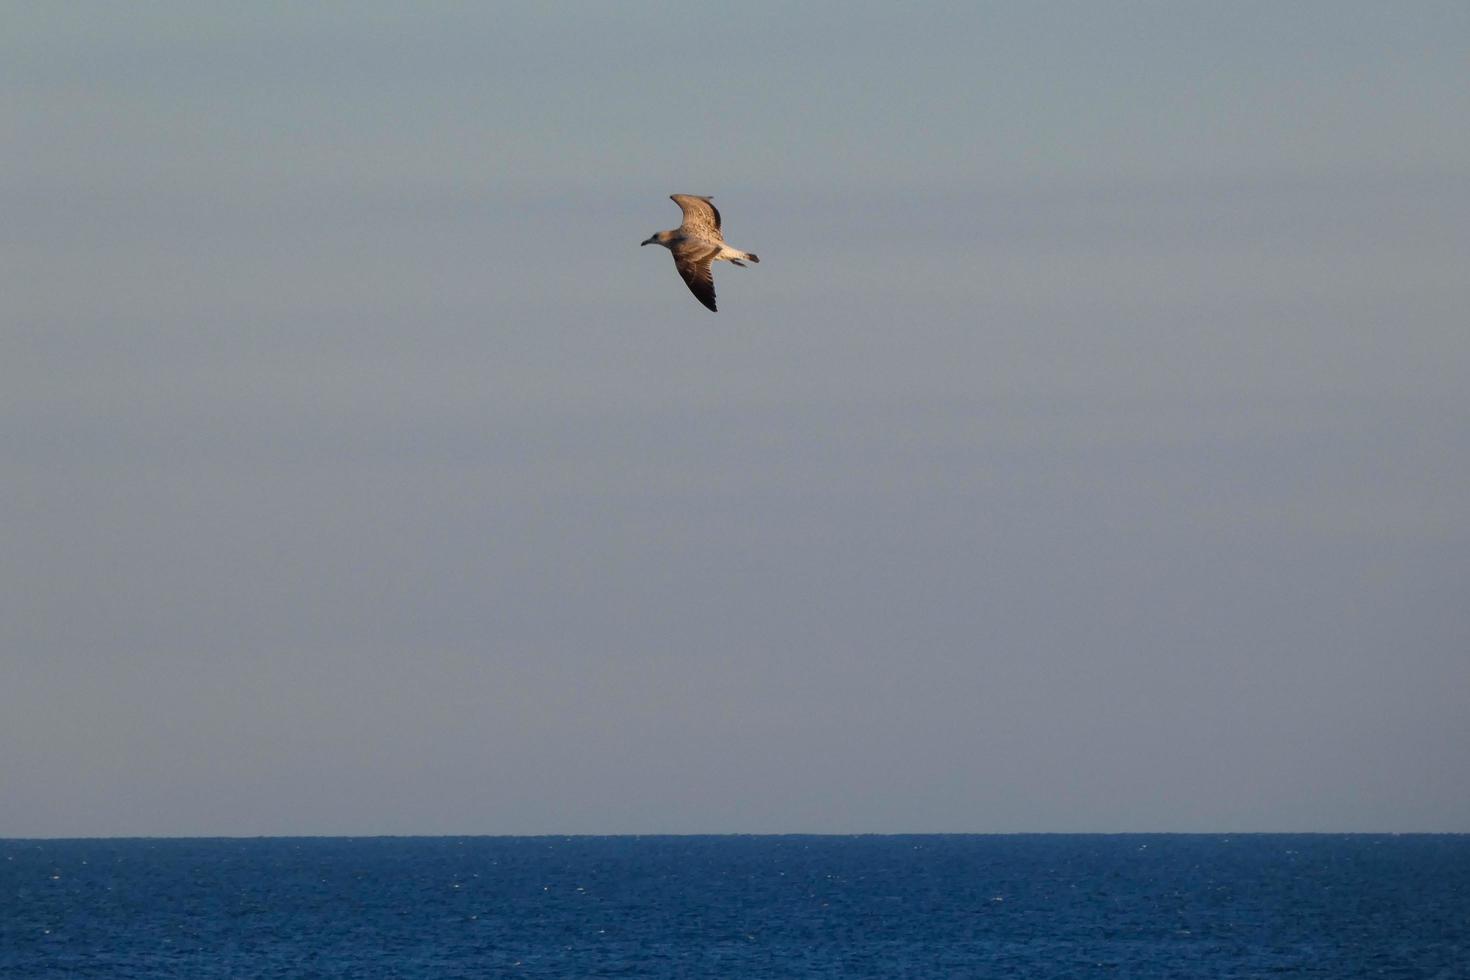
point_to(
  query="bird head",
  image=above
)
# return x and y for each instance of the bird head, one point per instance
(656, 239)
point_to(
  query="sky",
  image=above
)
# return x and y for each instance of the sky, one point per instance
(1090, 450)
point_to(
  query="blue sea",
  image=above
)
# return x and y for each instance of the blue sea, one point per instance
(1055, 906)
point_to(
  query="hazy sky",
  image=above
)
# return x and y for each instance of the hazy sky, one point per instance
(1089, 451)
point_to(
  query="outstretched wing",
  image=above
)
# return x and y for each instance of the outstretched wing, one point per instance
(694, 266)
(700, 216)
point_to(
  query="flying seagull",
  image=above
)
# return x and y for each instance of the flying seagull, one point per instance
(697, 243)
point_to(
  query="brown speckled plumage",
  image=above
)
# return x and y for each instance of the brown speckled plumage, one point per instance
(697, 244)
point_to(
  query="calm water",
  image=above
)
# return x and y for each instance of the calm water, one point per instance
(739, 907)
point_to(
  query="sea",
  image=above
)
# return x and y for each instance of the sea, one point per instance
(749, 907)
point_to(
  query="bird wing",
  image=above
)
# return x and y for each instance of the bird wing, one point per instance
(694, 266)
(700, 216)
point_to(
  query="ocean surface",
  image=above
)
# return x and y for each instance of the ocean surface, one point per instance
(1055, 906)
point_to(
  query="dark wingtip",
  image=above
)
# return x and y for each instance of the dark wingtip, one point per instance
(752, 256)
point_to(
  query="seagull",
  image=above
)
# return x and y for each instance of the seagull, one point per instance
(697, 243)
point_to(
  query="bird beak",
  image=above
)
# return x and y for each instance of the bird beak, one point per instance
(646, 241)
